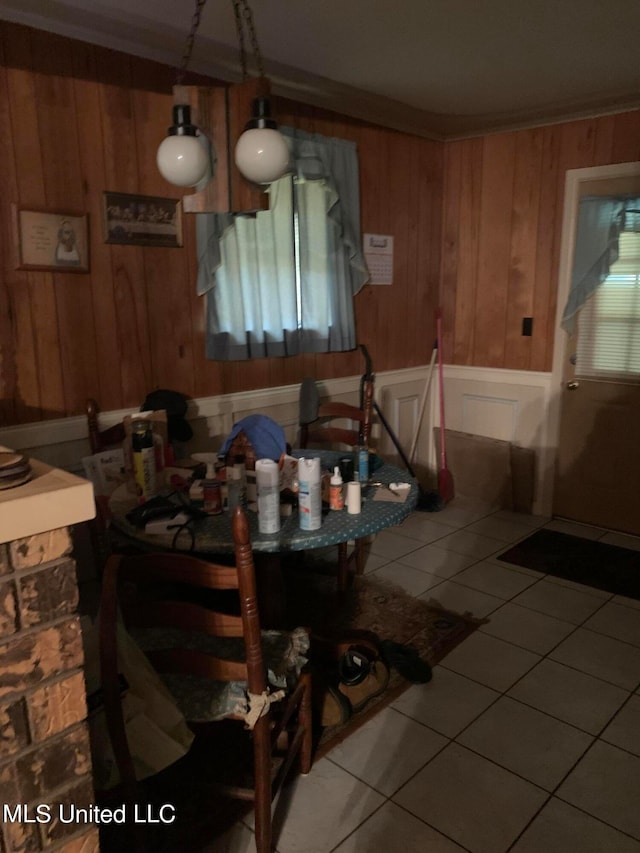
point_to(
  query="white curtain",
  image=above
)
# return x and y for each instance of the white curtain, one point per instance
(282, 281)
(601, 219)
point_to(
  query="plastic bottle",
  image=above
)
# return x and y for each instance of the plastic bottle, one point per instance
(336, 497)
(144, 459)
(240, 474)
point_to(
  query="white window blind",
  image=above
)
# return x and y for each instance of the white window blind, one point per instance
(609, 322)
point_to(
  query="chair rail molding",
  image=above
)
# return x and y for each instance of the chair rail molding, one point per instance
(496, 403)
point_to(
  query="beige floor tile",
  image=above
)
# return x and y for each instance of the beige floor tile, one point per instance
(567, 604)
(462, 599)
(392, 545)
(374, 562)
(502, 529)
(624, 729)
(393, 830)
(464, 510)
(323, 808)
(601, 656)
(560, 828)
(423, 526)
(633, 603)
(527, 628)
(470, 544)
(239, 839)
(413, 581)
(580, 587)
(471, 800)
(618, 621)
(532, 744)
(584, 531)
(569, 695)
(387, 750)
(490, 661)
(495, 580)
(622, 540)
(437, 561)
(605, 784)
(448, 703)
(532, 522)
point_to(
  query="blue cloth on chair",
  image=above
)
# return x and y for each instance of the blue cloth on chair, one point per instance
(266, 437)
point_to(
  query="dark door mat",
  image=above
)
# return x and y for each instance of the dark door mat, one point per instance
(597, 564)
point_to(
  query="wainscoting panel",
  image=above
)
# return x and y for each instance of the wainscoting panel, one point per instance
(501, 404)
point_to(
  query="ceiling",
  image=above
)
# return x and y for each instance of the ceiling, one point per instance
(438, 68)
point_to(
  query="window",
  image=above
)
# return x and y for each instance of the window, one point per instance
(609, 322)
(281, 281)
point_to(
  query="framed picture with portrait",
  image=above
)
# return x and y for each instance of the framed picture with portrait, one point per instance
(51, 240)
(142, 220)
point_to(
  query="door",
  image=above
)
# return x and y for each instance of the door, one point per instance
(597, 477)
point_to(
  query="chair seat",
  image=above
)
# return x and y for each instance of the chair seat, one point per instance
(204, 701)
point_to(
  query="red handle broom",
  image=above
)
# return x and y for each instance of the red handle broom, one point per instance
(445, 478)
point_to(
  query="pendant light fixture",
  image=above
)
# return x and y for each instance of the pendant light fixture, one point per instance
(183, 156)
(261, 153)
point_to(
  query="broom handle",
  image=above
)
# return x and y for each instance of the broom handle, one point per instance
(443, 456)
(423, 403)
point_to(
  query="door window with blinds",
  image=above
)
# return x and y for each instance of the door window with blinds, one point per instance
(608, 345)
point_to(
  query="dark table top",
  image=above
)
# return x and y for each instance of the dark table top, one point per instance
(213, 533)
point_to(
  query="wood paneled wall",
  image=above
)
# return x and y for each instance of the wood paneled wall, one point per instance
(502, 223)
(476, 226)
(76, 120)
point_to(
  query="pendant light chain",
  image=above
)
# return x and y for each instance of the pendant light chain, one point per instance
(244, 21)
(186, 56)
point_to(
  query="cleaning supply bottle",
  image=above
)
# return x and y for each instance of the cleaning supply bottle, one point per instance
(336, 498)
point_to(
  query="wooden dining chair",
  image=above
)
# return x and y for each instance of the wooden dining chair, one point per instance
(105, 439)
(164, 593)
(324, 431)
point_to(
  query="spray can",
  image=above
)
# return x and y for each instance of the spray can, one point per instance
(309, 494)
(363, 463)
(268, 486)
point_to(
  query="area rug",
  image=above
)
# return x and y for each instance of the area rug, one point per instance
(597, 564)
(378, 608)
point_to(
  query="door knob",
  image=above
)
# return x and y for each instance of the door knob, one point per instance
(571, 386)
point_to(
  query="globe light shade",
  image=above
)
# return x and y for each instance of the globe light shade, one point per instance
(181, 158)
(262, 154)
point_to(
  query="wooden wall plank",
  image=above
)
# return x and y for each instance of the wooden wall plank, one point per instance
(524, 227)
(546, 272)
(493, 258)
(463, 333)
(477, 227)
(107, 381)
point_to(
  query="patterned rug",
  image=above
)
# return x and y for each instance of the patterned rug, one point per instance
(378, 608)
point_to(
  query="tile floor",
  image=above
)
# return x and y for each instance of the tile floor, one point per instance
(526, 740)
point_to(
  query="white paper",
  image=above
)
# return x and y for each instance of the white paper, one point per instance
(378, 253)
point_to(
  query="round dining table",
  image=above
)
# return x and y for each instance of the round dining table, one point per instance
(212, 535)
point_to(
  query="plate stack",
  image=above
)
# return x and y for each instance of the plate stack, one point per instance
(14, 470)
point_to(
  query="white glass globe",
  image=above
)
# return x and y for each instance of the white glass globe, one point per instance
(182, 160)
(262, 155)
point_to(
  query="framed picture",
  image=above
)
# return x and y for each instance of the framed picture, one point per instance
(48, 240)
(142, 220)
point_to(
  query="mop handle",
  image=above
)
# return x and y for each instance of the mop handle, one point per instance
(440, 375)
